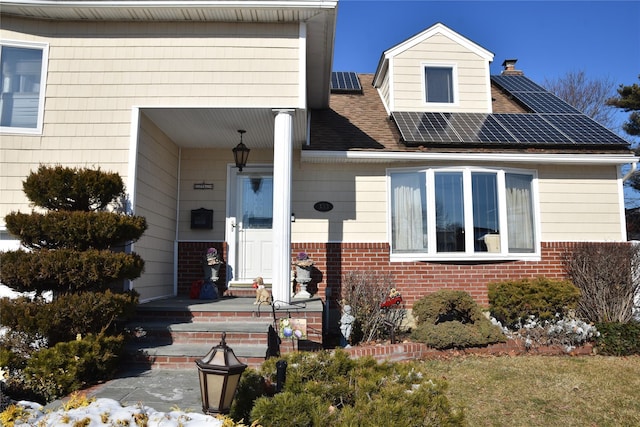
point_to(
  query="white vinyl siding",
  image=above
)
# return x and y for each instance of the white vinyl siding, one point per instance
(579, 203)
(156, 191)
(408, 72)
(99, 71)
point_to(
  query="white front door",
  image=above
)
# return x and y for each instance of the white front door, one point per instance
(254, 219)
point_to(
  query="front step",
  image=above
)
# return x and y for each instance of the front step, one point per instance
(238, 332)
(173, 334)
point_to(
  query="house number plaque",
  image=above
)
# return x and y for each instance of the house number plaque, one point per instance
(323, 206)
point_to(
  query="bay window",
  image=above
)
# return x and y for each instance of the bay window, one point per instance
(461, 212)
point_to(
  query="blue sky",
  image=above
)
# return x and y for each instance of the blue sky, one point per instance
(549, 38)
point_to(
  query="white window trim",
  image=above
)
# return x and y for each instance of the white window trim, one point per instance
(469, 254)
(454, 77)
(44, 47)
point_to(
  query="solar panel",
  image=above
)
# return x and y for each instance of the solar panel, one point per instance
(533, 96)
(544, 102)
(531, 129)
(478, 127)
(417, 127)
(517, 84)
(345, 81)
(583, 130)
(511, 129)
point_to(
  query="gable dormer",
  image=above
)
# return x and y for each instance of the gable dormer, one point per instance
(436, 70)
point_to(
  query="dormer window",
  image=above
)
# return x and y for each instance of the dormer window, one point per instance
(440, 83)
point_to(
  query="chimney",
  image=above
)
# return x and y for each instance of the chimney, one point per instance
(510, 68)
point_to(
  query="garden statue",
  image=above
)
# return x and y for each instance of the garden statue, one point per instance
(262, 294)
(211, 266)
(346, 324)
(304, 265)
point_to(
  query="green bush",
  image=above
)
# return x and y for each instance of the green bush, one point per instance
(452, 319)
(75, 229)
(68, 315)
(66, 270)
(512, 301)
(329, 389)
(446, 305)
(455, 334)
(60, 188)
(294, 410)
(69, 366)
(252, 386)
(618, 339)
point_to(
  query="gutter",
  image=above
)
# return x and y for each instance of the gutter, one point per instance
(319, 156)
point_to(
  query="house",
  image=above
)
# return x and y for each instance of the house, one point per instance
(430, 170)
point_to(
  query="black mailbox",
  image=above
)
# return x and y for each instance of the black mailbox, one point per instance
(202, 219)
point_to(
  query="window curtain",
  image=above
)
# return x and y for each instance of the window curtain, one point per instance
(519, 213)
(408, 212)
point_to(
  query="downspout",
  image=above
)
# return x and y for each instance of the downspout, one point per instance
(634, 166)
(175, 240)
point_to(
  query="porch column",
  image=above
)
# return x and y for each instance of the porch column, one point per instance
(282, 157)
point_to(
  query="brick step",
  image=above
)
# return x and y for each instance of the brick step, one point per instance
(158, 355)
(174, 333)
(240, 332)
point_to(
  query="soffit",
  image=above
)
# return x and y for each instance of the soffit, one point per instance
(218, 127)
(203, 10)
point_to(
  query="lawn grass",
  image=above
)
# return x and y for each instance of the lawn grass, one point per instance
(543, 390)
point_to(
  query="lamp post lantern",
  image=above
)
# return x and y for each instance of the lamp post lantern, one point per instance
(219, 372)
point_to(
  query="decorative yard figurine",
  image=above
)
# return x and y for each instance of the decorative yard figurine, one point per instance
(393, 300)
(262, 294)
(304, 265)
(210, 266)
(346, 325)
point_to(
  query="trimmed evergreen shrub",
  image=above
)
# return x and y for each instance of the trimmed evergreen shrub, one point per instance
(543, 298)
(618, 339)
(75, 229)
(59, 188)
(452, 319)
(70, 256)
(68, 315)
(252, 386)
(67, 270)
(455, 334)
(69, 366)
(329, 389)
(446, 305)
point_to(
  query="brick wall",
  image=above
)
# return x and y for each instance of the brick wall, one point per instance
(190, 256)
(412, 279)
(415, 279)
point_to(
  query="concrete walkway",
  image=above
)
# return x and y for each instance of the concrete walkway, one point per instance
(162, 390)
